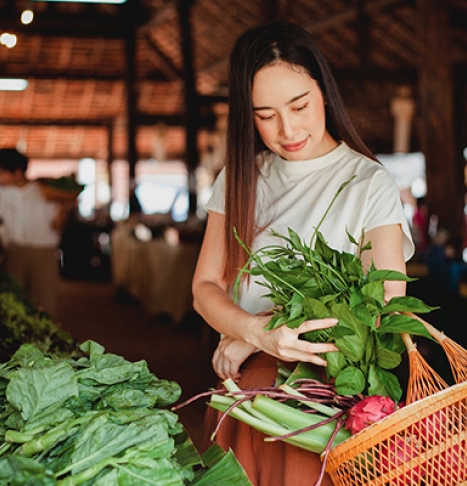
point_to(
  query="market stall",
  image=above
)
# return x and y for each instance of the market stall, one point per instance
(155, 270)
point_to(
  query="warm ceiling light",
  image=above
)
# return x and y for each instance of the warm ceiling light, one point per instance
(11, 84)
(84, 1)
(27, 17)
(8, 40)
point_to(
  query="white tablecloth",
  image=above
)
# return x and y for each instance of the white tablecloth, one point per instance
(158, 274)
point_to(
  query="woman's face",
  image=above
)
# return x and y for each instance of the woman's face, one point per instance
(289, 112)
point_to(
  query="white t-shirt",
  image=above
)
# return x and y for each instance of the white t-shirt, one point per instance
(296, 194)
(27, 216)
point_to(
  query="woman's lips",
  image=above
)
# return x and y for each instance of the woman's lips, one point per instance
(294, 147)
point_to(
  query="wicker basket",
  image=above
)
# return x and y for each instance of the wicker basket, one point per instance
(423, 443)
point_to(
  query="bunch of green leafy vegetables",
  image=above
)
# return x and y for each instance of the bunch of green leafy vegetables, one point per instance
(315, 281)
(97, 420)
(21, 322)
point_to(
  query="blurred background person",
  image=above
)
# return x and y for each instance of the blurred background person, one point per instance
(32, 225)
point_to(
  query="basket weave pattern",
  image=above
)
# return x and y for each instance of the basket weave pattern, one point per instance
(423, 443)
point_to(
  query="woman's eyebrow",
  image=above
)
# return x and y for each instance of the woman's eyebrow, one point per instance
(295, 98)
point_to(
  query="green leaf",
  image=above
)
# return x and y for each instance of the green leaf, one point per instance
(391, 341)
(375, 385)
(295, 306)
(407, 304)
(383, 275)
(381, 380)
(315, 309)
(102, 439)
(336, 362)
(322, 248)
(34, 390)
(224, 469)
(93, 349)
(163, 473)
(302, 370)
(387, 359)
(396, 323)
(352, 346)
(350, 381)
(121, 399)
(351, 238)
(362, 312)
(375, 290)
(166, 392)
(107, 376)
(23, 471)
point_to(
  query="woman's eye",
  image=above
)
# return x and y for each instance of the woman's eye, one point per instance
(300, 108)
(265, 117)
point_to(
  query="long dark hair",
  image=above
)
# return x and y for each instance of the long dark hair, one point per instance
(255, 49)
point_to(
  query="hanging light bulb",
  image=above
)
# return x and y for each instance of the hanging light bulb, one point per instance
(8, 40)
(27, 16)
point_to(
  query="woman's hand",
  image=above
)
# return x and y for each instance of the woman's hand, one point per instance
(284, 343)
(229, 356)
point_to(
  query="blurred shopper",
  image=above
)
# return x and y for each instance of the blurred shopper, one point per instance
(32, 226)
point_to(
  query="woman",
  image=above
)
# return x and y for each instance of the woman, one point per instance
(290, 145)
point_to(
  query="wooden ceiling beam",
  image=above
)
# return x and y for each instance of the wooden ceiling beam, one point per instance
(51, 122)
(143, 119)
(165, 65)
(347, 15)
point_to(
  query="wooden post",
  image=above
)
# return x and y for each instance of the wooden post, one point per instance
(110, 158)
(444, 168)
(191, 103)
(131, 92)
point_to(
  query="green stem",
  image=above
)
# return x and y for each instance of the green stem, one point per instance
(319, 407)
(341, 188)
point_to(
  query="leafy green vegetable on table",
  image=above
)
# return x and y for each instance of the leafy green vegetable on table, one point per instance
(97, 420)
(21, 322)
(315, 281)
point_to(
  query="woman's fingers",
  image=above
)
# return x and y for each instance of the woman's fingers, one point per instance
(229, 356)
(314, 324)
(290, 347)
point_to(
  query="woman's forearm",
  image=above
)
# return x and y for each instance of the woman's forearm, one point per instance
(217, 308)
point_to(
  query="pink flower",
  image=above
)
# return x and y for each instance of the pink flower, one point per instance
(368, 411)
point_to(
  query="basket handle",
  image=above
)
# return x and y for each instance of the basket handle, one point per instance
(435, 333)
(423, 379)
(455, 353)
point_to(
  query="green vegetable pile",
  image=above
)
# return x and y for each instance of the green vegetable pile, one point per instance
(97, 420)
(314, 281)
(65, 183)
(21, 322)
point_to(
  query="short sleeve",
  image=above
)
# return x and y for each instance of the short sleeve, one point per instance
(384, 207)
(216, 202)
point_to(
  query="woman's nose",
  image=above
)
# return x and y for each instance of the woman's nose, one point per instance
(287, 127)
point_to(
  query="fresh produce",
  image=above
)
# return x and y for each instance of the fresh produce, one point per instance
(367, 411)
(65, 183)
(97, 420)
(313, 281)
(21, 322)
(396, 454)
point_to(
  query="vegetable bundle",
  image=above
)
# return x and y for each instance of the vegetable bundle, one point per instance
(97, 420)
(315, 281)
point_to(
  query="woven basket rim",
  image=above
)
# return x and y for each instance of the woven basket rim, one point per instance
(394, 423)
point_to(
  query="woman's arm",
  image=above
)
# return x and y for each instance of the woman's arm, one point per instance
(387, 254)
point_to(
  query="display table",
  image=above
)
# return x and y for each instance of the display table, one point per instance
(156, 273)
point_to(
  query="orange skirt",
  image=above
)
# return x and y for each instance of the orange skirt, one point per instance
(266, 463)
